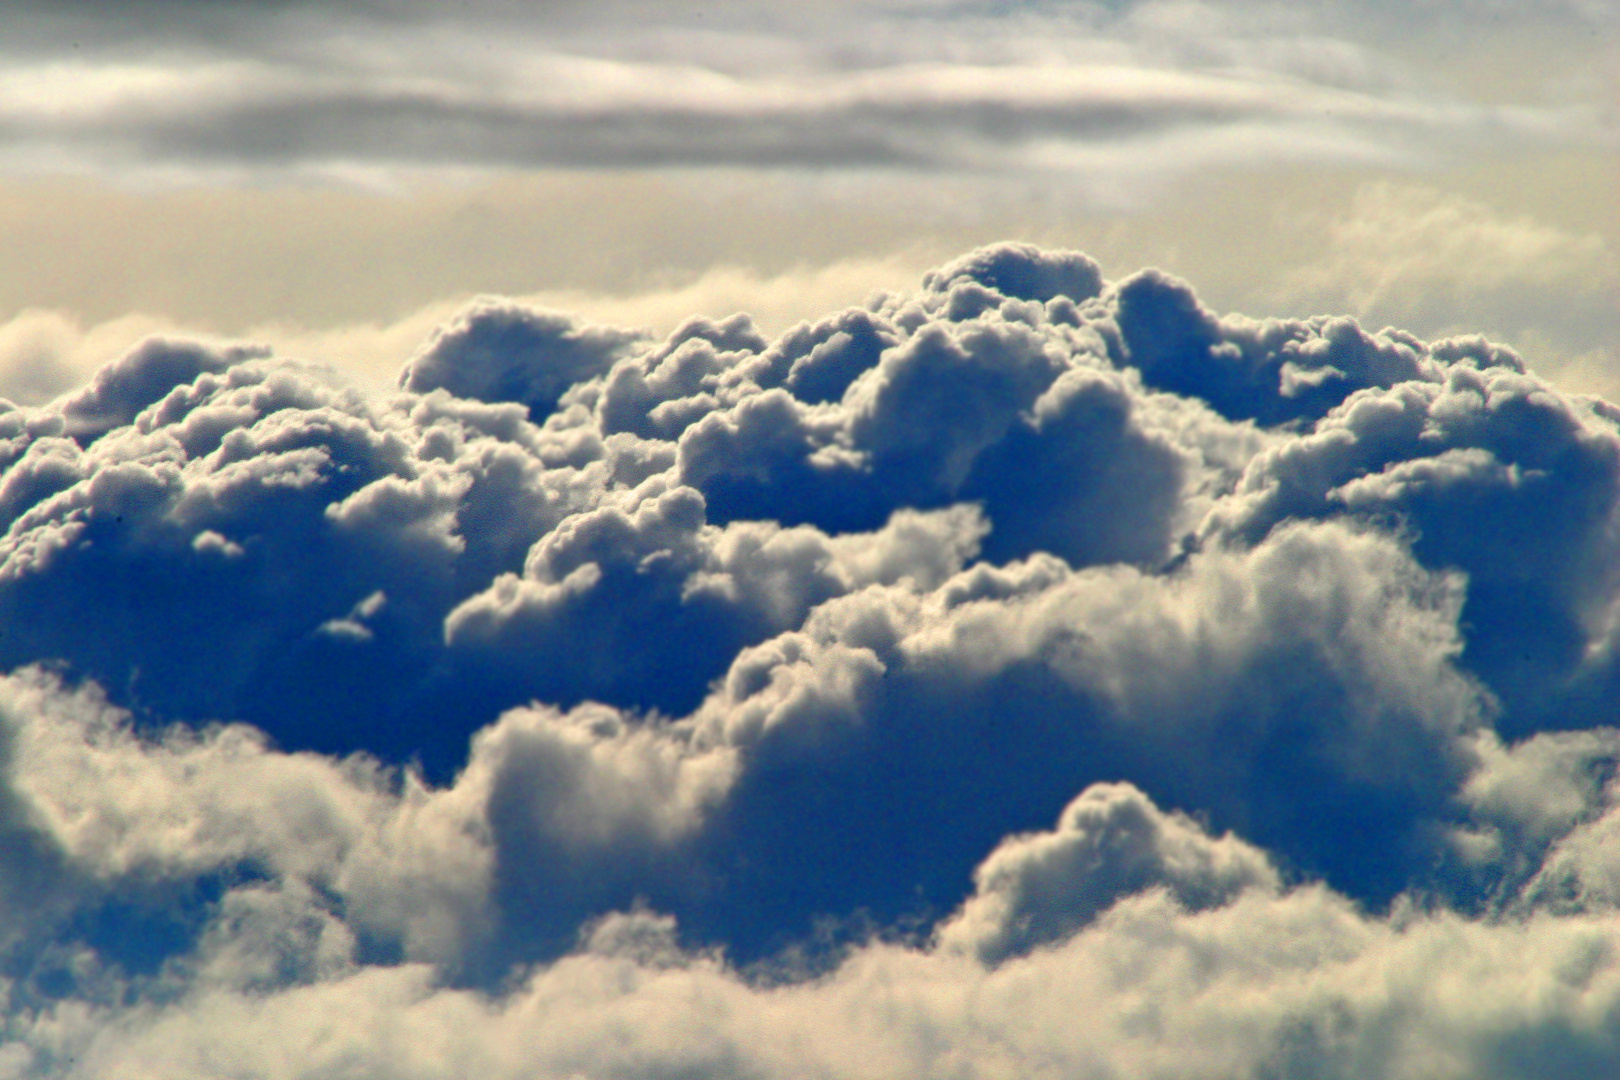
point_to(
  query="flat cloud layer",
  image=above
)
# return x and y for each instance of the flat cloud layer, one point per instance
(177, 88)
(881, 699)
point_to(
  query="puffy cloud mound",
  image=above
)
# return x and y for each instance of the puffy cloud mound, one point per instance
(607, 706)
(502, 352)
(1110, 843)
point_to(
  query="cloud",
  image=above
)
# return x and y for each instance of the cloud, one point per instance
(1475, 480)
(47, 353)
(1111, 842)
(599, 702)
(144, 817)
(1448, 264)
(509, 353)
(1404, 246)
(299, 89)
(1297, 982)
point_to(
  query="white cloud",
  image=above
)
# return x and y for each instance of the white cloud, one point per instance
(749, 676)
(1291, 983)
(1111, 842)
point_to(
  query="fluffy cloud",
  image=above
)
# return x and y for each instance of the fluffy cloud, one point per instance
(1110, 843)
(496, 352)
(602, 705)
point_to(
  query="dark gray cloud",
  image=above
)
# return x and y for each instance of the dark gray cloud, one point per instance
(278, 88)
(1495, 477)
(591, 675)
(496, 352)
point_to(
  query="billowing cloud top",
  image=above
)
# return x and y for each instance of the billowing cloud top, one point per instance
(874, 700)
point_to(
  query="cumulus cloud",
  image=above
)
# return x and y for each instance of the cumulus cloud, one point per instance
(600, 703)
(1110, 843)
(509, 353)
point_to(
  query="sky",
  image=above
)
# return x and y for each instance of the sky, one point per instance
(920, 539)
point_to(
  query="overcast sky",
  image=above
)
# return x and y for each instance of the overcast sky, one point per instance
(635, 540)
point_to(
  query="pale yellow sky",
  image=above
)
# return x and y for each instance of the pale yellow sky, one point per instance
(1521, 250)
(1446, 166)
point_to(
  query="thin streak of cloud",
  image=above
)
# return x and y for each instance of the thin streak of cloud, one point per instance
(411, 98)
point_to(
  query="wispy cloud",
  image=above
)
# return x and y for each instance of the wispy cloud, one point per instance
(297, 90)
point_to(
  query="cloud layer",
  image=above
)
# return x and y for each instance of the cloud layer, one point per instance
(869, 700)
(181, 89)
